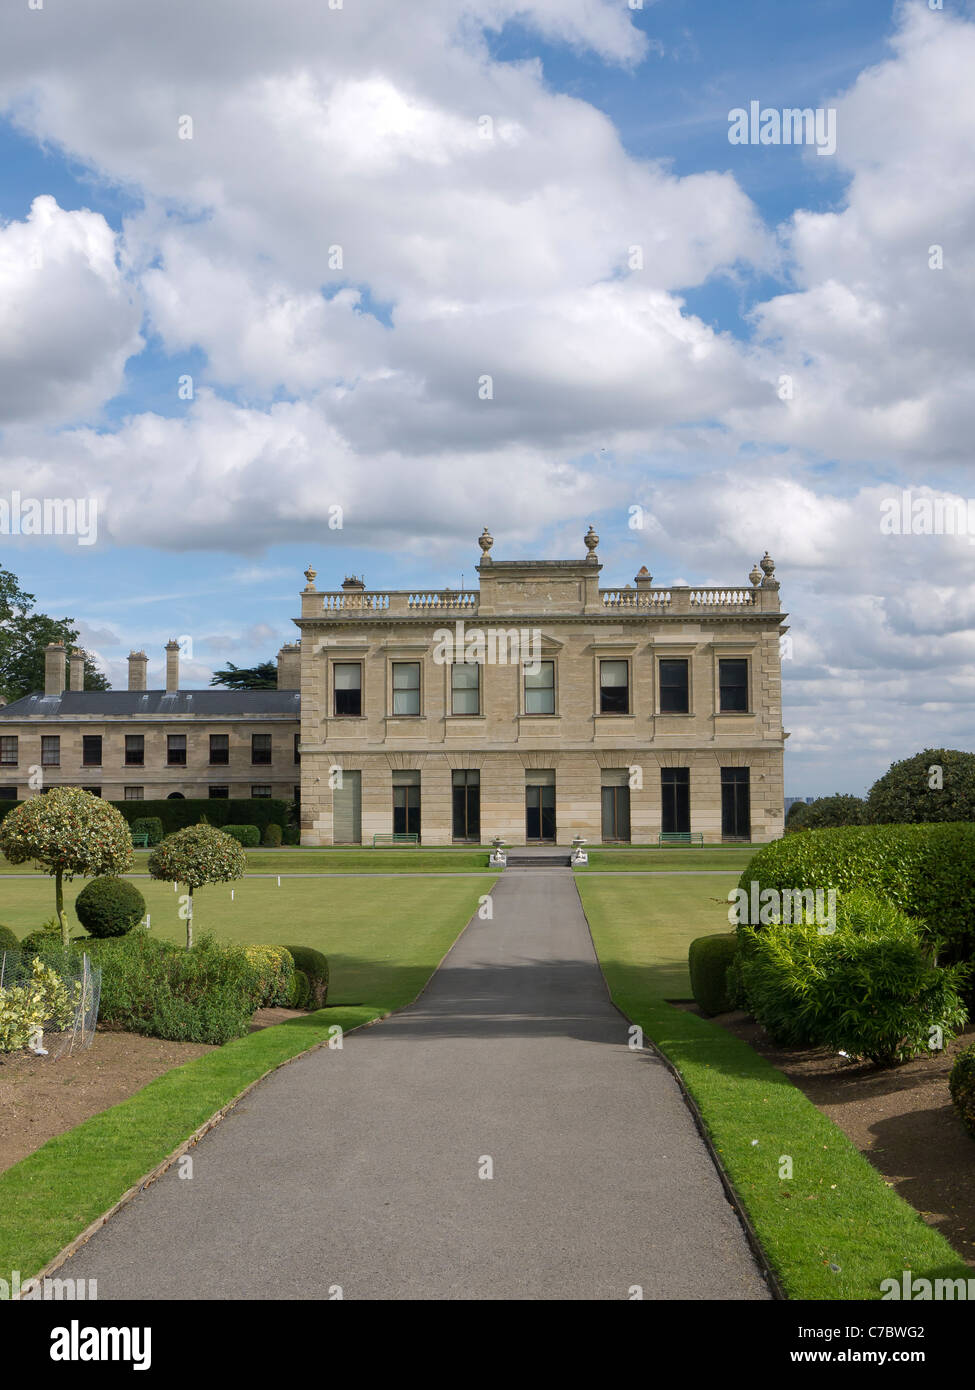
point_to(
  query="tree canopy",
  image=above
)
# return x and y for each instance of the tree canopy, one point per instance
(937, 784)
(263, 676)
(24, 634)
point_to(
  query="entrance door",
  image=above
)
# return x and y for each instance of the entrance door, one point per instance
(616, 813)
(347, 810)
(540, 812)
(466, 798)
(736, 803)
(406, 810)
(675, 799)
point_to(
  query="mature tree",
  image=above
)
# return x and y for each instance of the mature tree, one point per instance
(198, 855)
(935, 785)
(796, 818)
(263, 676)
(23, 636)
(838, 809)
(67, 832)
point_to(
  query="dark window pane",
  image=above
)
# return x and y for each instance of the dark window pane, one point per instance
(135, 750)
(674, 685)
(614, 687)
(733, 684)
(219, 748)
(675, 799)
(176, 749)
(347, 676)
(260, 748)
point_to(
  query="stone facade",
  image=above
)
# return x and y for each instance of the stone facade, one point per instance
(558, 614)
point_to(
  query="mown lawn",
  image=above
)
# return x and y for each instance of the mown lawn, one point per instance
(831, 1230)
(626, 860)
(332, 861)
(383, 940)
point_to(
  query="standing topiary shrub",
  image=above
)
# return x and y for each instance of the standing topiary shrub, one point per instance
(300, 990)
(67, 832)
(315, 966)
(247, 835)
(274, 970)
(109, 906)
(272, 836)
(708, 961)
(961, 1084)
(198, 855)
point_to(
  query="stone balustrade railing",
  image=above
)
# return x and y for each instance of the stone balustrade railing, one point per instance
(678, 597)
(393, 601)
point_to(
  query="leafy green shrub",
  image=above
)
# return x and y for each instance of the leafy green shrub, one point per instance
(274, 970)
(315, 966)
(961, 1084)
(109, 906)
(182, 812)
(154, 987)
(905, 794)
(839, 809)
(8, 941)
(292, 835)
(708, 961)
(147, 825)
(300, 990)
(866, 989)
(198, 855)
(42, 999)
(44, 936)
(273, 835)
(247, 835)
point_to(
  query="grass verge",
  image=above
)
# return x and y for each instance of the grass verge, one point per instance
(834, 1229)
(51, 1196)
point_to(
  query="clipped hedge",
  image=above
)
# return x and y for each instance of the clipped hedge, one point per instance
(928, 871)
(274, 971)
(147, 825)
(300, 990)
(273, 835)
(109, 906)
(961, 1084)
(315, 966)
(708, 961)
(247, 835)
(220, 812)
(9, 941)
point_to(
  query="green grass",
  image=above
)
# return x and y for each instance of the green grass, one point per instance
(331, 861)
(626, 860)
(835, 1230)
(383, 943)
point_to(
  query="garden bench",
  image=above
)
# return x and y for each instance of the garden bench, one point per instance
(141, 839)
(401, 838)
(681, 837)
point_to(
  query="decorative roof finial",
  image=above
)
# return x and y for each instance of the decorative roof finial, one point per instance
(485, 540)
(755, 576)
(310, 575)
(592, 540)
(768, 568)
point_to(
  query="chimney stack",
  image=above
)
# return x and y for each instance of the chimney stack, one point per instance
(54, 668)
(289, 666)
(172, 666)
(138, 662)
(76, 669)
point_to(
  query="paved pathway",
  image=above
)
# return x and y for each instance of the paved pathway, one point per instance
(359, 1168)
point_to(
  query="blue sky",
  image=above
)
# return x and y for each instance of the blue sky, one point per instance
(313, 386)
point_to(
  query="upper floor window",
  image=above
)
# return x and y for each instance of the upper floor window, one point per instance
(219, 749)
(260, 748)
(540, 689)
(348, 687)
(135, 750)
(50, 750)
(733, 684)
(91, 750)
(614, 687)
(465, 690)
(8, 750)
(406, 687)
(176, 750)
(674, 687)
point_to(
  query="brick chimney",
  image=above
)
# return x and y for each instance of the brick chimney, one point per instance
(289, 666)
(138, 662)
(76, 670)
(172, 666)
(54, 669)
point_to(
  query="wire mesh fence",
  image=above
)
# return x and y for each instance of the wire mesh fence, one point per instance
(47, 1009)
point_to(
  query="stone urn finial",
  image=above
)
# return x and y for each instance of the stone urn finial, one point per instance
(310, 575)
(592, 540)
(485, 540)
(768, 568)
(755, 576)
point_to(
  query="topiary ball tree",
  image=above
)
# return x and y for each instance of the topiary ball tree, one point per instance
(109, 906)
(196, 856)
(935, 785)
(67, 832)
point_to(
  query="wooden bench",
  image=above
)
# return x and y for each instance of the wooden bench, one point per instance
(141, 839)
(403, 838)
(681, 837)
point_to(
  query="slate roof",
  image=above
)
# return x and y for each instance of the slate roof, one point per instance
(205, 704)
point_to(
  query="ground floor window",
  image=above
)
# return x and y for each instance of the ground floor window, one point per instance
(347, 810)
(135, 793)
(219, 793)
(615, 798)
(8, 793)
(406, 803)
(540, 804)
(466, 808)
(736, 811)
(675, 800)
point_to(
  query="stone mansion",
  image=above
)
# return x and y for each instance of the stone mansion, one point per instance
(537, 707)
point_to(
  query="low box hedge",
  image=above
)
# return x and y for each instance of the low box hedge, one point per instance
(709, 959)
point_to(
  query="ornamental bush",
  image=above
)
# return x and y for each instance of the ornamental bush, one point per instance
(247, 835)
(43, 999)
(315, 966)
(937, 784)
(109, 906)
(8, 941)
(300, 990)
(708, 961)
(273, 968)
(198, 855)
(67, 832)
(867, 989)
(272, 836)
(961, 1084)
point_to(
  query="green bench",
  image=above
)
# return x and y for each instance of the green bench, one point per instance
(141, 840)
(402, 838)
(681, 837)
